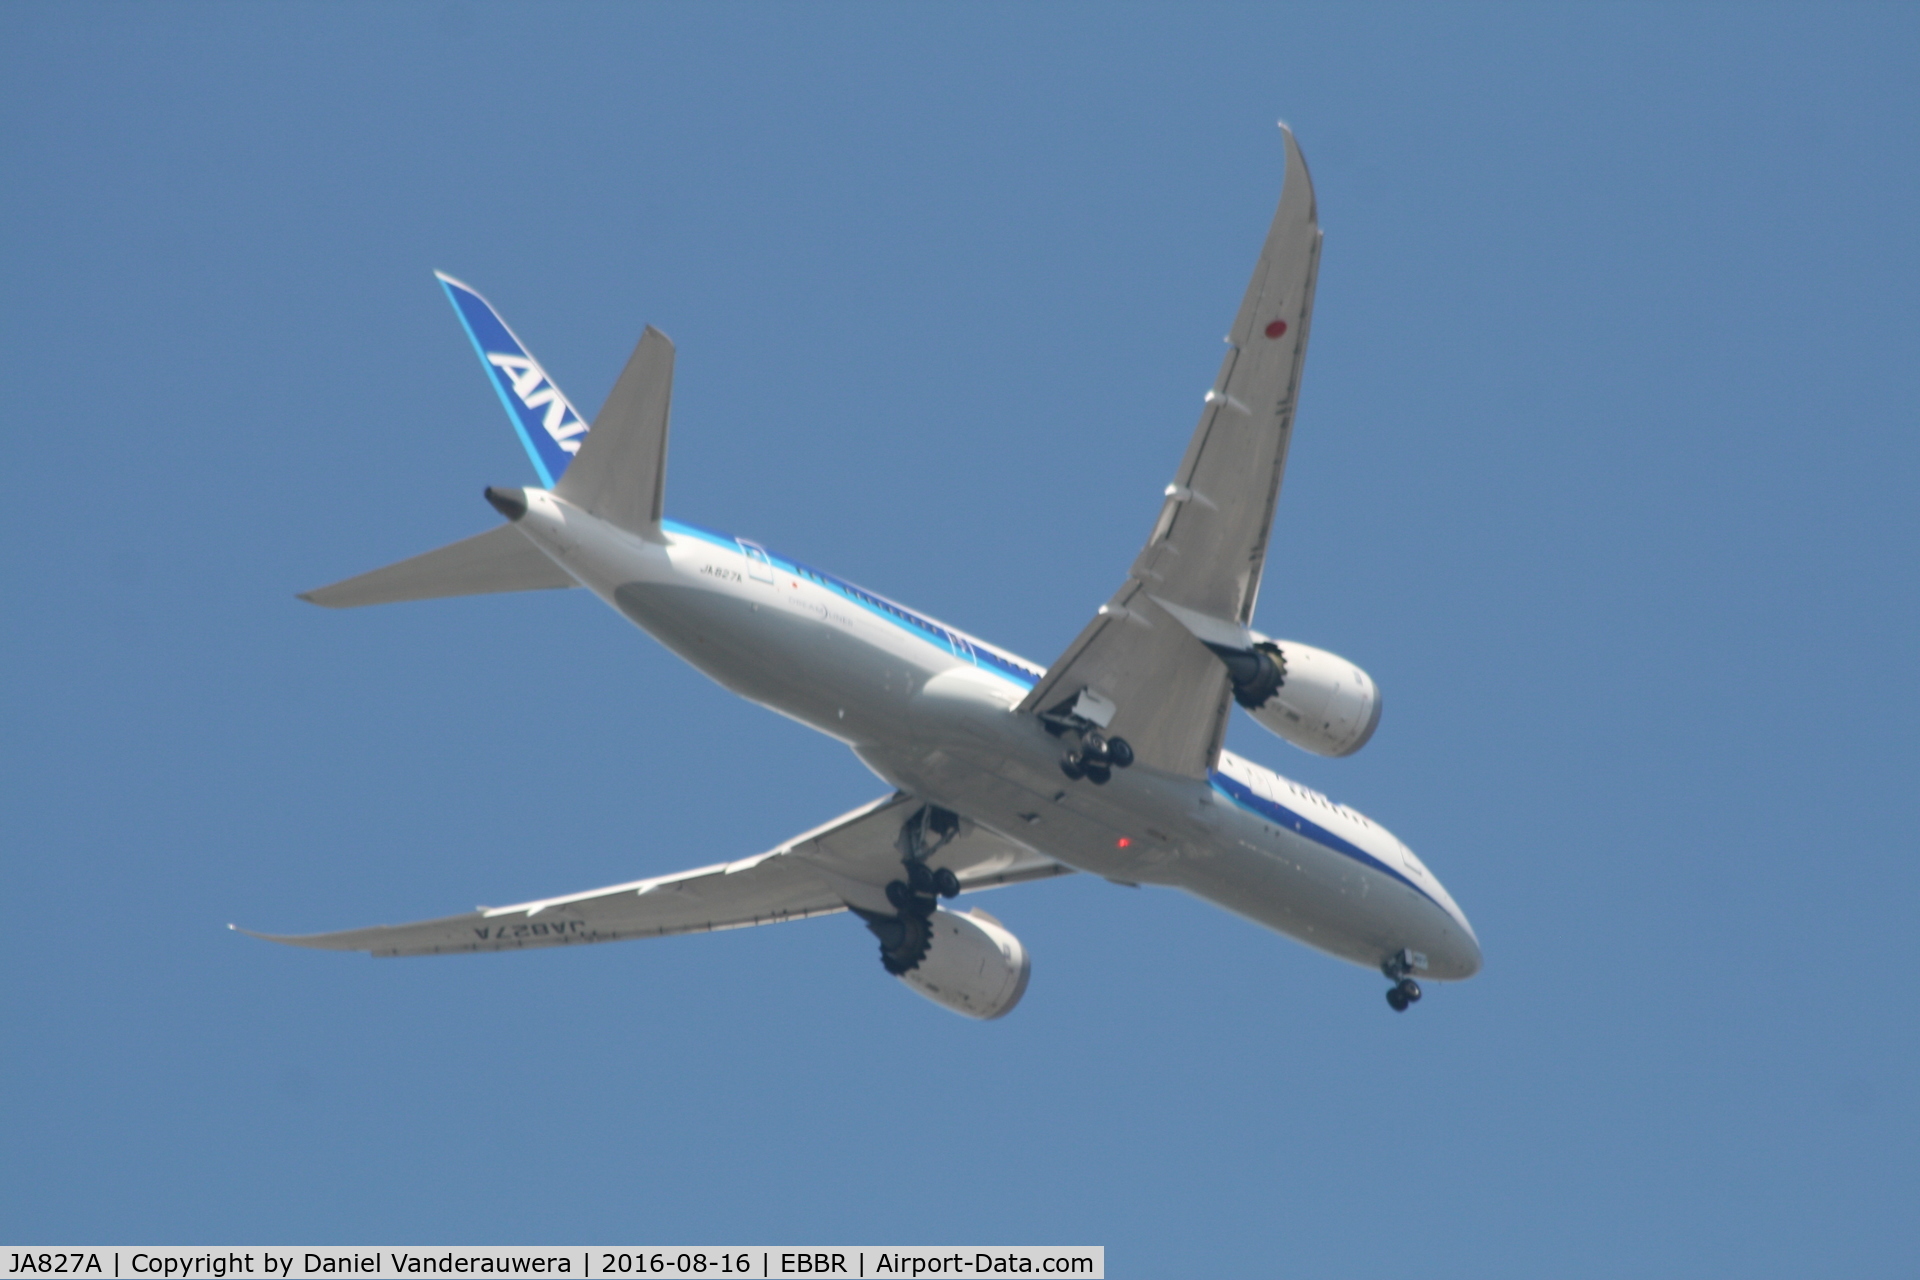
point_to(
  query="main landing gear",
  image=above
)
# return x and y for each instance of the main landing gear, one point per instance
(1399, 969)
(1095, 757)
(1090, 753)
(906, 935)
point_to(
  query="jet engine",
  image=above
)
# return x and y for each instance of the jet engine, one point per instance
(973, 966)
(1316, 700)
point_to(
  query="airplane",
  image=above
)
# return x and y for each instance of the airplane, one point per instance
(1109, 761)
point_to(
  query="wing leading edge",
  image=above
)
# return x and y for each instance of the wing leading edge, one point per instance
(846, 863)
(1200, 570)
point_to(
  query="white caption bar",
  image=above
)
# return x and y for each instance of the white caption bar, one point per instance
(577, 1262)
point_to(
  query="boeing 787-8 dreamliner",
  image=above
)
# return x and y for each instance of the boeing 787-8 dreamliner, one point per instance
(1108, 761)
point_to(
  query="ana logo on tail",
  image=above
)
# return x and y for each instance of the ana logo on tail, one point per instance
(549, 427)
(531, 384)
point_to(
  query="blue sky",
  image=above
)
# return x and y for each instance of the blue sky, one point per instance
(1605, 468)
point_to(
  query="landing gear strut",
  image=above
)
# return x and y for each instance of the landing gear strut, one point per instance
(1399, 969)
(906, 935)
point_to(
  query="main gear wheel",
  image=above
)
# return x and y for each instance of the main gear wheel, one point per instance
(906, 935)
(1095, 757)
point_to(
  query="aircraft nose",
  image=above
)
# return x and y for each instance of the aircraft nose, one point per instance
(1458, 957)
(511, 503)
(1469, 956)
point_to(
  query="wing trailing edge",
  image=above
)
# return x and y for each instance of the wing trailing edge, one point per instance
(845, 863)
(1198, 577)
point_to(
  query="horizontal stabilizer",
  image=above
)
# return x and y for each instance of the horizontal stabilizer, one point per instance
(498, 560)
(620, 473)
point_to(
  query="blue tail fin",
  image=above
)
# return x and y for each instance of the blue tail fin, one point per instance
(550, 427)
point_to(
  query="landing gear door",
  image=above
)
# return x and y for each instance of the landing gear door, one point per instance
(759, 568)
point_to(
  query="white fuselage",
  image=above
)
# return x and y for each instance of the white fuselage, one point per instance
(930, 710)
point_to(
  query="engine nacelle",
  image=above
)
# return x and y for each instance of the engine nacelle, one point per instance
(973, 965)
(1316, 700)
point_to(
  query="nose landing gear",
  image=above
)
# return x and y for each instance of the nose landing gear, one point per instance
(1399, 968)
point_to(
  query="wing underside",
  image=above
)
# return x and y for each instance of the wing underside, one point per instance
(1200, 570)
(1209, 546)
(846, 863)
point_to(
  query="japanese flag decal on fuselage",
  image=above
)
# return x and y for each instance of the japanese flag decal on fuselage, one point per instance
(549, 426)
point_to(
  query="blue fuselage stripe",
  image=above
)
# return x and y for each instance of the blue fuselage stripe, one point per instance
(934, 634)
(1272, 811)
(923, 629)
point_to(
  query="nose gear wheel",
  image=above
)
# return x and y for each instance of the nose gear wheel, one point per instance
(1398, 967)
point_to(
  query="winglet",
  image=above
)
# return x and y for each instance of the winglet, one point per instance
(550, 428)
(268, 937)
(346, 940)
(1296, 160)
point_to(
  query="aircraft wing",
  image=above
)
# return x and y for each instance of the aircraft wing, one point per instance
(847, 862)
(1199, 574)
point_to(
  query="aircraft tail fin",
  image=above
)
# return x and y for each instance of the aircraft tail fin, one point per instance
(617, 467)
(550, 428)
(498, 560)
(620, 474)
